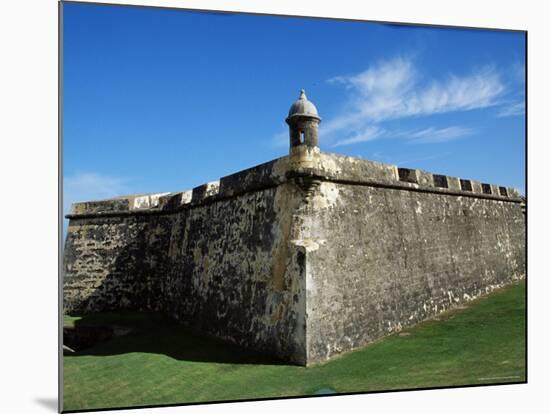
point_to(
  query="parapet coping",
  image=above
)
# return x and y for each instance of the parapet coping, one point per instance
(267, 175)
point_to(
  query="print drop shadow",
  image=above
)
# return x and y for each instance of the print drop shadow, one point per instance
(132, 327)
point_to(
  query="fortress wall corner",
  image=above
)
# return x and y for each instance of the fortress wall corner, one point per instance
(301, 258)
(221, 259)
(234, 274)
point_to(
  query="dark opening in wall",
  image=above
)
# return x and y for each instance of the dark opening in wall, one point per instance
(302, 137)
(407, 175)
(465, 185)
(486, 188)
(440, 181)
(503, 191)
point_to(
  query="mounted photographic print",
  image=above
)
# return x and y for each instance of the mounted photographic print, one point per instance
(262, 206)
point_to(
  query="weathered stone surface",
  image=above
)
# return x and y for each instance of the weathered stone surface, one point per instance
(230, 271)
(251, 179)
(104, 264)
(226, 268)
(303, 257)
(388, 258)
(454, 183)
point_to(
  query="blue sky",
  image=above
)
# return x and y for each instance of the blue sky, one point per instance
(164, 100)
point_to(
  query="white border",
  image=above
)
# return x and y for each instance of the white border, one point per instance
(28, 96)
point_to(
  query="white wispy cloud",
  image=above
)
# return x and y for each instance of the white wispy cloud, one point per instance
(514, 109)
(431, 135)
(394, 89)
(367, 134)
(435, 135)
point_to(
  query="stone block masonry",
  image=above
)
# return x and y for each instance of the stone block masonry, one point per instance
(217, 259)
(304, 257)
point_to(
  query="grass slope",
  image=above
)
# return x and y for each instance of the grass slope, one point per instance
(159, 362)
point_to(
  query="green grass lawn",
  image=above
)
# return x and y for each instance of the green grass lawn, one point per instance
(159, 362)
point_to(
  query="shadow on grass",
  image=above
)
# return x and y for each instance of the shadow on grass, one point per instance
(156, 334)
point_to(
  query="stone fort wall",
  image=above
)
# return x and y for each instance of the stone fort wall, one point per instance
(215, 258)
(386, 257)
(304, 257)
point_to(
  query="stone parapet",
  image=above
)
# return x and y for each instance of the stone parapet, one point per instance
(303, 162)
